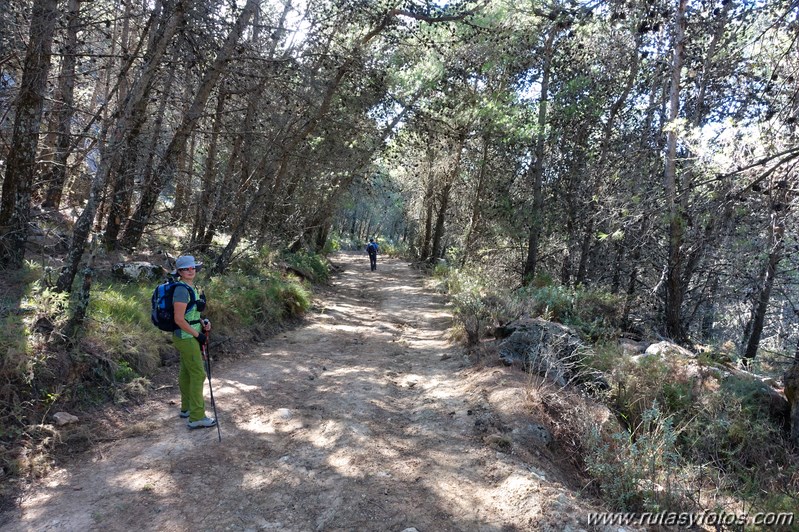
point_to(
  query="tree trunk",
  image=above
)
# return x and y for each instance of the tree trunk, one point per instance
(675, 288)
(76, 319)
(536, 172)
(321, 221)
(21, 166)
(241, 153)
(598, 172)
(709, 311)
(424, 254)
(758, 316)
(183, 181)
(209, 175)
(441, 216)
(64, 112)
(122, 188)
(478, 196)
(273, 187)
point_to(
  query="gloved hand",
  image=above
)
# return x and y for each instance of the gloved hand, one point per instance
(202, 338)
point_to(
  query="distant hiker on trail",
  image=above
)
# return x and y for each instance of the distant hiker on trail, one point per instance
(371, 249)
(188, 338)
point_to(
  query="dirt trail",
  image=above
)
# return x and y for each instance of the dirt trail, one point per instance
(365, 418)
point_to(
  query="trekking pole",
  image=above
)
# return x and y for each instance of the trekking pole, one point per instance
(210, 388)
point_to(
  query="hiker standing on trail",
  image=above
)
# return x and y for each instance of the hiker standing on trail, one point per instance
(188, 338)
(371, 249)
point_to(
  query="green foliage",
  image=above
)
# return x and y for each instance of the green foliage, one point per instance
(594, 313)
(607, 356)
(441, 273)
(126, 305)
(119, 320)
(393, 249)
(332, 245)
(724, 426)
(668, 382)
(47, 302)
(124, 373)
(339, 242)
(238, 301)
(310, 266)
(25, 328)
(732, 430)
(470, 307)
(261, 261)
(632, 466)
(475, 305)
(14, 346)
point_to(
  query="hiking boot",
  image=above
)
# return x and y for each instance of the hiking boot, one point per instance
(184, 414)
(203, 423)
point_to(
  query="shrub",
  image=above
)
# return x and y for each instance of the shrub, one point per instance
(393, 249)
(309, 266)
(470, 310)
(120, 323)
(14, 347)
(593, 313)
(124, 373)
(261, 261)
(339, 242)
(732, 430)
(725, 433)
(241, 301)
(635, 469)
(118, 346)
(474, 306)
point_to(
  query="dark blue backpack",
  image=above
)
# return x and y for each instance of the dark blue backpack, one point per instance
(163, 313)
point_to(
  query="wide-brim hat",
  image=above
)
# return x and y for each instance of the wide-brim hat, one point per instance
(186, 261)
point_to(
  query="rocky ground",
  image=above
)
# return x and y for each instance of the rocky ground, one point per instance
(363, 418)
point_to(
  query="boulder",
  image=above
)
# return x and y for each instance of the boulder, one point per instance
(664, 349)
(631, 347)
(551, 350)
(64, 418)
(133, 271)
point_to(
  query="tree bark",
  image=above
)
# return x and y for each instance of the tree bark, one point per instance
(123, 182)
(65, 110)
(675, 288)
(209, 175)
(536, 172)
(599, 170)
(321, 221)
(424, 254)
(260, 199)
(758, 316)
(437, 250)
(478, 196)
(21, 168)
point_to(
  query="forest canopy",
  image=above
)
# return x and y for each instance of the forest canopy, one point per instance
(645, 148)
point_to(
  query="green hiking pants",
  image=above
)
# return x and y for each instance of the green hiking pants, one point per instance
(191, 377)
